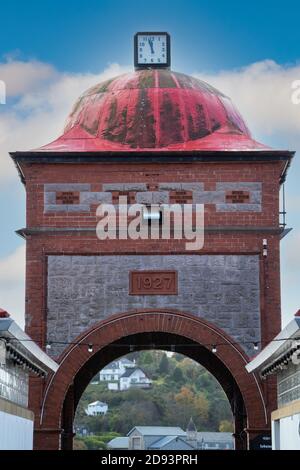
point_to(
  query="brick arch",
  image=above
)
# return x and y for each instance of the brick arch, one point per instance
(78, 366)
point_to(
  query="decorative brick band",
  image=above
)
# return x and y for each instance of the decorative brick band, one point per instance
(228, 197)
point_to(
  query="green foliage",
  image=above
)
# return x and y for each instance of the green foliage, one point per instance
(181, 388)
(226, 426)
(177, 375)
(163, 367)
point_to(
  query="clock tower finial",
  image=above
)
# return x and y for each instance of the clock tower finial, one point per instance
(152, 50)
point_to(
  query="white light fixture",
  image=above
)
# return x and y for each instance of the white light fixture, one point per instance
(90, 348)
(265, 247)
(255, 346)
(214, 349)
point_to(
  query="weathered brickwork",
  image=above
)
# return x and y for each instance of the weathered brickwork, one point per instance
(62, 309)
(224, 289)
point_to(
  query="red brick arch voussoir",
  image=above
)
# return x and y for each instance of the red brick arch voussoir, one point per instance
(166, 321)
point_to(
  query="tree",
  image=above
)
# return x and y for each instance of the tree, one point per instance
(226, 426)
(201, 406)
(163, 367)
(177, 375)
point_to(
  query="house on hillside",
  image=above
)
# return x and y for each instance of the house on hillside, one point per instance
(114, 370)
(97, 408)
(134, 377)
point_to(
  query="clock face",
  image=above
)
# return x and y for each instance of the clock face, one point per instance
(152, 49)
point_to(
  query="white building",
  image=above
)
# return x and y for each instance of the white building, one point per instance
(97, 408)
(134, 377)
(19, 357)
(114, 370)
(282, 358)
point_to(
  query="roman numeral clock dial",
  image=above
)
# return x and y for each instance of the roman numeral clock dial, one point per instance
(151, 50)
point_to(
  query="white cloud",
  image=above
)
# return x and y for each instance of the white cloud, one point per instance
(22, 77)
(38, 115)
(12, 284)
(262, 92)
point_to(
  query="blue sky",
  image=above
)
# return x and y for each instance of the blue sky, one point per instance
(206, 35)
(51, 51)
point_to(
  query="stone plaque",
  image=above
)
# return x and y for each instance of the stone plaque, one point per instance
(237, 197)
(67, 197)
(153, 283)
(181, 197)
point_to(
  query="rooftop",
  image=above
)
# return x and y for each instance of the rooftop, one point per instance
(153, 110)
(22, 345)
(158, 431)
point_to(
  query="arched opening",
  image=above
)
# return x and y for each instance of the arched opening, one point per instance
(133, 331)
(154, 391)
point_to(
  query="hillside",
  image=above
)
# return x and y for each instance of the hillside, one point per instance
(181, 389)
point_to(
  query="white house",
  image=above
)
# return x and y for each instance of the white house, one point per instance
(282, 359)
(97, 408)
(114, 370)
(134, 377)
(19, 357)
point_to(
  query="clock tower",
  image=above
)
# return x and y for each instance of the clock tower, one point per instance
(152, 136)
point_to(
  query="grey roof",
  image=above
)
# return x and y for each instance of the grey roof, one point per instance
(111, 365)
(118, 443)
(25, 346)
(218, 437)
(158, 431)
(130, 370)
(125, 361)
(276, 348)
(115, 364)
(166, 440)
(101, 403)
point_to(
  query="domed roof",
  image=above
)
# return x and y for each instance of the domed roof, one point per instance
(154, 110)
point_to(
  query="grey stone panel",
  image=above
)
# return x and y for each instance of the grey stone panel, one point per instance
(124, 187)
(255, 197)
(238, 207)
(135, 187)
(223, 289)
(96, 197)
(192, 186)
(160, 197)
(239, 186)
(208, 197)
(170, 186)
(67, 208)
(50, 197)
(144, 198)
(67, 187)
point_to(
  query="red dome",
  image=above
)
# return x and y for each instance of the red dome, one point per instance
(154, 110)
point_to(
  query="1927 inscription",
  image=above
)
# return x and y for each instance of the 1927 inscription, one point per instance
(153, 283)
(237, 197)
(67, 197)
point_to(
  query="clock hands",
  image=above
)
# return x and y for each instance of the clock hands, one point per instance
(150, 41)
